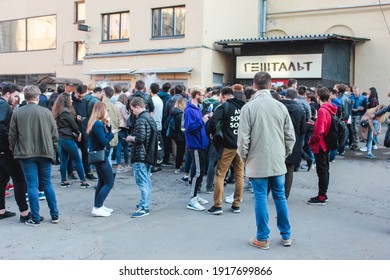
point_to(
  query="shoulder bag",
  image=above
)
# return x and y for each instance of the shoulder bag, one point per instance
(96, 156)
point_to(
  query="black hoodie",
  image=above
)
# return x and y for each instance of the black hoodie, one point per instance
(228, 115)
(297, 116)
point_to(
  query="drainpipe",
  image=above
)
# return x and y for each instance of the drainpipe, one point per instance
(263, 17)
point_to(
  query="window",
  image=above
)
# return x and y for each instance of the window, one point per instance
(217, 79)
(116, 26)
(13, 36)
(80, 51)
(80, 11)
(39, 33)
(168, 22)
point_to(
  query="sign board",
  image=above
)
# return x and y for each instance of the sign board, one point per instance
(280, 66)
(83, 27)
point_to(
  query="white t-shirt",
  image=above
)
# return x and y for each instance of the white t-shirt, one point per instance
(158, 111)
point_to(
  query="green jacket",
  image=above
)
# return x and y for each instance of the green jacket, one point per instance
(33, 132)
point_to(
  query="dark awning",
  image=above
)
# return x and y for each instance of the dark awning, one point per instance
(163, 70)
(58, 80)
(233, 43)
(110, 72)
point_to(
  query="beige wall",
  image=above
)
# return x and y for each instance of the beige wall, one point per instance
(59, 60)
(372, 67)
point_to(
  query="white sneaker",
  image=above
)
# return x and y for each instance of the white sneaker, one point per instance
(193, 204)
(109, 210)
(99, 212)
(128, 167)
(177, 171)
(230, 198)
(121, 169)
(375, 147)
(364, 149)
(201, 200)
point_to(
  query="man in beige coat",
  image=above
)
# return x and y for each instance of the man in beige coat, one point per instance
(265, 138)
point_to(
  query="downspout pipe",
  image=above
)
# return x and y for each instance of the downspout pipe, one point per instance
(263, 18)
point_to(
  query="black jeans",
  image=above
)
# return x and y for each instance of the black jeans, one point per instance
(83, 145)
(198, 163)
(322, 162)
(181, 149)
(10, 167)
(167, 146)
(161, 145)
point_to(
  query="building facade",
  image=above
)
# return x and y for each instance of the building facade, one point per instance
(192, 41)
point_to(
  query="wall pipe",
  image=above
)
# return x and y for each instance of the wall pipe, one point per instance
(263, 18)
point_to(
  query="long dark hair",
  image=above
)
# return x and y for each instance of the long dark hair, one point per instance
(373, 93)
(63, 101)
(373, 98)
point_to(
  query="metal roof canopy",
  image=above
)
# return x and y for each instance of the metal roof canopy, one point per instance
(233, 43)
(163, 70)
(58, 80)
(110, 72)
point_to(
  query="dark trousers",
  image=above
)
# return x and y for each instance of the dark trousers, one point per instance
(198, 162)
(160, 154)
(83, 145)
(289, 179)
(322, 163)
(105, 182)
(167, 145)
(10, 167)
(181, 149)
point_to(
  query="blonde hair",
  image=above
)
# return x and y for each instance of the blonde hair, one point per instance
(181, 103)
(98, 114)
(196, 90)
(31, 92)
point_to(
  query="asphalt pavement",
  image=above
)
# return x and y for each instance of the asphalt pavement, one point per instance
(354, 225)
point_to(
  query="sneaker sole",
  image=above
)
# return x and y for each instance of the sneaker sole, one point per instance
(203, 202)
(287, 243)
(146, 214)
(32, 225)
(236, 211)
(219, 212)
(316, 203)
(266, 247)
(97, 215)
(195, 209)
(55, 221)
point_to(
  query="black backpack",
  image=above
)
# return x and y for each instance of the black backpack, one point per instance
(171, 128)
(337, 133)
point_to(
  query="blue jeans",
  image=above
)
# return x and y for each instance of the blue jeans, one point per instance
(68, 150)
(105, 182)
(260, 189)
(142, 178)
(371, 136)
(37, 171)
(122, 144)
(332, 154)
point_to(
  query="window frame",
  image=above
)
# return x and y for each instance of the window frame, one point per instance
(105, 40)
(160, 23)
(76, 58)
(26, 37)
(77, 3)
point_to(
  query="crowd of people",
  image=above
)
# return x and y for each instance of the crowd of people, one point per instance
(206, 132)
